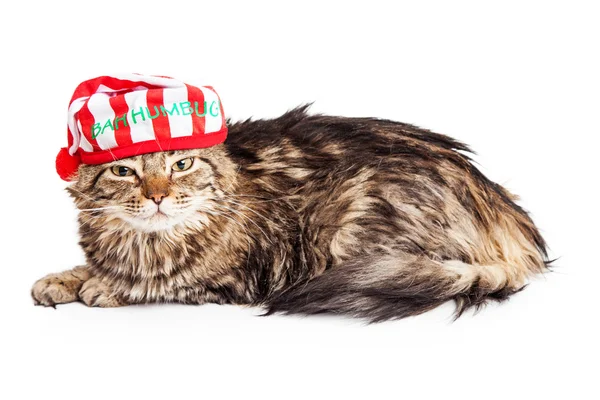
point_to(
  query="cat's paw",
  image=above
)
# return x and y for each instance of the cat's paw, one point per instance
(56, 289)
(95, 293)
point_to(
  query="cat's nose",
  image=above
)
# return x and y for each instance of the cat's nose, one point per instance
(156, 194)
(155, 188)
(158, 198)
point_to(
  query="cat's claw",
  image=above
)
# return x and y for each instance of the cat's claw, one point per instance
(94, 293)
(53, 289)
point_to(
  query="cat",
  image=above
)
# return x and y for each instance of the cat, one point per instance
(304, 214)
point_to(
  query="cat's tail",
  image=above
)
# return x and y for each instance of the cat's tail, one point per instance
(385, 287)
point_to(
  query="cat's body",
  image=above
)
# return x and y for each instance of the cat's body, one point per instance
(305, 214)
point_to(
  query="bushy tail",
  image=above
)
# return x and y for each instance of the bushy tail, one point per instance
(385, 287)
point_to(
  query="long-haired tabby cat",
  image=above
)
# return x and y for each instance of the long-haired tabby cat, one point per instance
(300, 214)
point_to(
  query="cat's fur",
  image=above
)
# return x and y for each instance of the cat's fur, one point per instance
(302, 214)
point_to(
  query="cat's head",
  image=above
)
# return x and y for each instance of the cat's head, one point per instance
(157, 191)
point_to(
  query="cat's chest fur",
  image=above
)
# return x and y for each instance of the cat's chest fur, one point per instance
(177, 265)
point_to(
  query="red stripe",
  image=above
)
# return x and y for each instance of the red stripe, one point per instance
(122, 130)
(153, 146)
(196, 99)
(88, 88)
(87, 121)
(160, 124)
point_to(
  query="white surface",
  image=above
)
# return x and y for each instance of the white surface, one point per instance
(519, 81)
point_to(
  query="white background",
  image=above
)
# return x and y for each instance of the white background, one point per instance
(519, 81)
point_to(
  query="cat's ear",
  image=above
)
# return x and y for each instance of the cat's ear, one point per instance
(67, 164)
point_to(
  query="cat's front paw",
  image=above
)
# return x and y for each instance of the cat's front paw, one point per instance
(95, 293)
(59, 288)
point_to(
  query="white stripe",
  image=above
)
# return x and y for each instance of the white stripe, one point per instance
(142, 130)
(74, 108)
(152, 80)
(180, 125)
(85, 145)
(212, 123)
(105, 89)
(99, 106)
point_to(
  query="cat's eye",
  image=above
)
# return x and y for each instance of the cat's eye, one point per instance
(120, 170)
(183, 165)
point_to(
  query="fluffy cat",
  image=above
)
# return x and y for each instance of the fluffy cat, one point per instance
(300, 214)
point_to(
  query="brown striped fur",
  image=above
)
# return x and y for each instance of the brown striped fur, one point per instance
(302, 214)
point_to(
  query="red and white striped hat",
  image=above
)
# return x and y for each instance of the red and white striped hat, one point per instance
(120, 116)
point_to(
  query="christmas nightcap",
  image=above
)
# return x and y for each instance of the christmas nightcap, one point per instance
(120, 116)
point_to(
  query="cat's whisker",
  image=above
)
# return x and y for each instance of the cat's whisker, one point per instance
(264, 199)
(247, 208)
(237, 172)
(232, 202)
(85, 195)
(249, 219)
(99, 208)
(229, 200)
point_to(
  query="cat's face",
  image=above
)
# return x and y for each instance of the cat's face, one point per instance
(157, 191)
